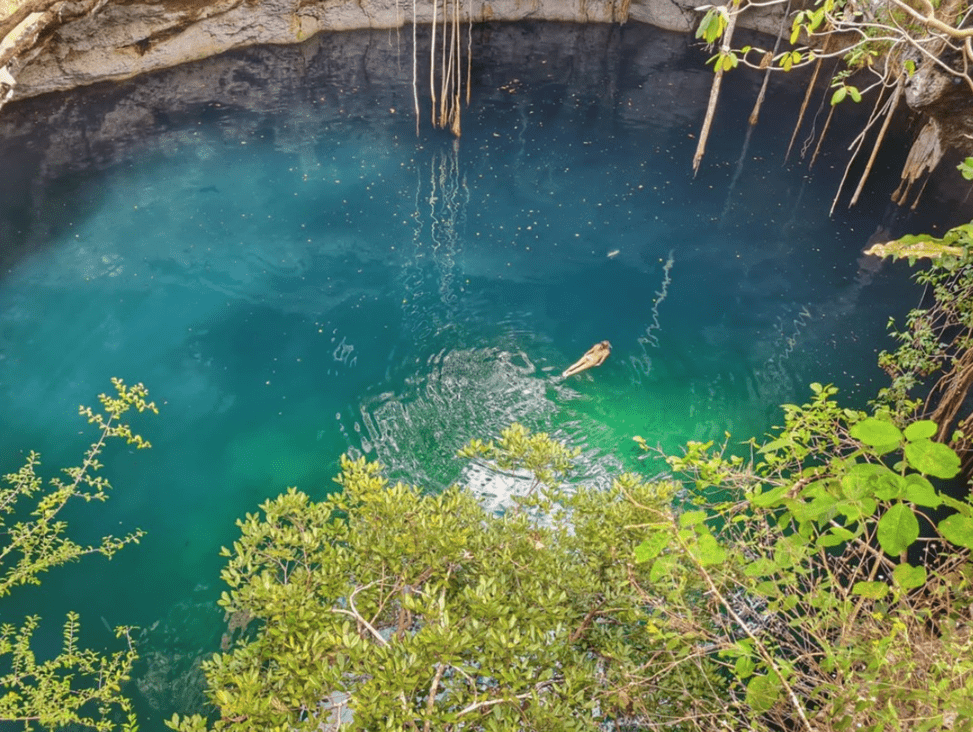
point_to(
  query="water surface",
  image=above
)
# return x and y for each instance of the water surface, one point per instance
(266, 243)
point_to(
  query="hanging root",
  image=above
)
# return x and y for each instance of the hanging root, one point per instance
(891, 106)
(953, 389)
(768, 61)
(857, 144)
(714, 95)
(446, 95)
(415, 67)
(807, 97)
(824, 130)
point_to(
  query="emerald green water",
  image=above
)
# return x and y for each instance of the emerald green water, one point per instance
(295, 274)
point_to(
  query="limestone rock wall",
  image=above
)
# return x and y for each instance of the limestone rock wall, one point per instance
(118, 39)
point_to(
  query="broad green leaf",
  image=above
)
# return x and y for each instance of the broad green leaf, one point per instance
(821, 506)
(897, 529)
(871, 590)
(855, 95)
(691, 518)
(932, 458)
(958, 529)
(763, 692)
(707, 550)
(833, 538)
(774, 445)
(744, 667)
(760, 567)
(770, 497)
(921, 492)
(862, 479)
(875, 432)
(921, 430)
(650, 547)
(908, 577)
(839, 95)
(662, 567)
(790, 551)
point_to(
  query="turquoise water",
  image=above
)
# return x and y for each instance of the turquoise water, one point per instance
(294, 273)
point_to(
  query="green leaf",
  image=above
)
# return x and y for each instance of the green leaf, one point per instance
(920, 491)
(855, 95)
(764, 500)
(662, 567)
(933, 458)
(966, 168)
(691, 518)
(958, 529)
(908, 577)
(921, 430)
(760, 567)
(864, 479)
(707, 550)
(650, 547)
(712, 25)
(870, 590)
(839, 95)
(763, 692)
(876, 432)
(744, 667)
(897, 529)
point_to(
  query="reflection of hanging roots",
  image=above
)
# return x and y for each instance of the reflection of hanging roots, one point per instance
(790, 341)
(447, 213)
(643, 363)
(445, 202)
(649, 337)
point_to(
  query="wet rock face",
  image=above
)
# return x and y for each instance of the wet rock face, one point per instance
(129, 37)
(947, 100)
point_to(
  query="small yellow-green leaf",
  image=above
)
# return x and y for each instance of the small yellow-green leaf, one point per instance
(908, 577)
(871, 590)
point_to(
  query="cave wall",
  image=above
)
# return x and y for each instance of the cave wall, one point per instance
(119, 39)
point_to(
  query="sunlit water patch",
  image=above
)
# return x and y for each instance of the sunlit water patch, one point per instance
(264, 241)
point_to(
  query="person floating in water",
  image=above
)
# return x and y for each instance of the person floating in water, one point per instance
(595, 356)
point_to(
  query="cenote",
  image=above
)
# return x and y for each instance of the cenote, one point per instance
(266, 242)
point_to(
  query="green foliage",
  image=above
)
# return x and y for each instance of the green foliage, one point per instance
(845, 91)
(966, 168)
(548, 461)
(419, 611)
(932, 367)
(78, 686)
(825, 615)
(713, 24)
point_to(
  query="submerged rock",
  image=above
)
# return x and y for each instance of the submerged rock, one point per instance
(169, 676)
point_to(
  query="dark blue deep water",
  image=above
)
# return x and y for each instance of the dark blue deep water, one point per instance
(266, 243)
